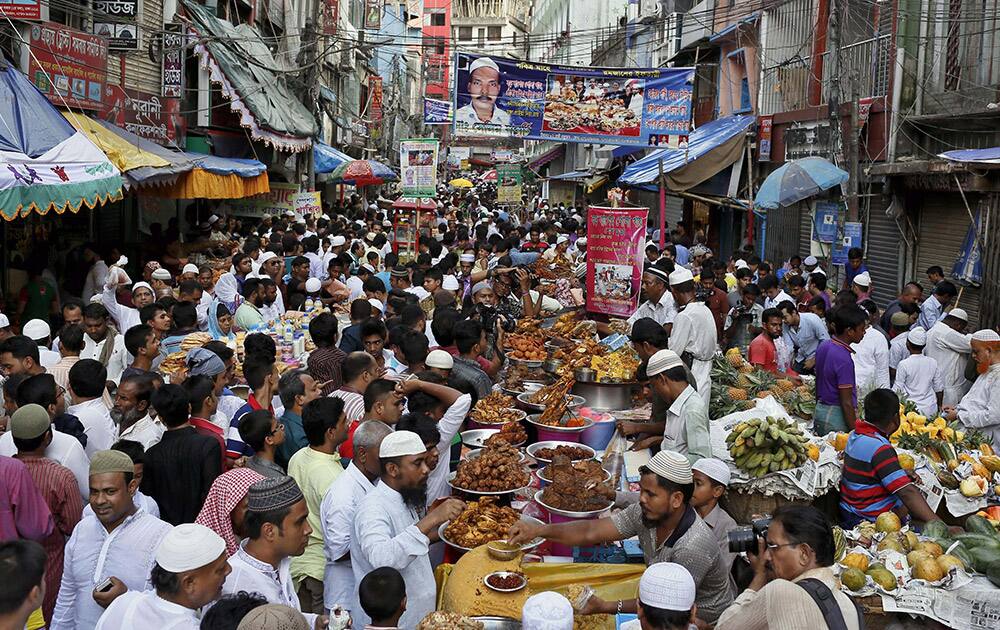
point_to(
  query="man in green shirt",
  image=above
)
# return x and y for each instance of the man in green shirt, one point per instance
(248, 315)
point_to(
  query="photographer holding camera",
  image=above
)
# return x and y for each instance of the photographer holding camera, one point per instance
(793, 585)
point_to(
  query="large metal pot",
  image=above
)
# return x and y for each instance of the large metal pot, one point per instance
(605, 396)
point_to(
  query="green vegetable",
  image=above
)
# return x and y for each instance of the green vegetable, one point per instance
(936, 529)
(993, 573)
(977, 541)
(979, 525)
(983, 557)
(961, 552)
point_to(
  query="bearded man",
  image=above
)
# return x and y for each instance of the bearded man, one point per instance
(131, 411)
(980, 407)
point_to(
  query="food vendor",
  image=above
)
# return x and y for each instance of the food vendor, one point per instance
(669, 530)
(693, 334)
(980, 408)
(873, 482)
(659, 304)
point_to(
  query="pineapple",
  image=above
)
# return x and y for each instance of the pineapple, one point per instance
(735, 393)
(734, 357)
(746, 405)
(764, 393)
(746, 368)
(785, 385)
(743, 382)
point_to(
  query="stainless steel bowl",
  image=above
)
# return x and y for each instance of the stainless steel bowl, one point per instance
(537, 446)
(587, 423)
(528, 546)
(567, 513)
(451, 477)
(584, 375)
(573, 402)
(520, 413)
(475, 438)
(478, 451)
(524, 582)
(552, 365)
(605, 396)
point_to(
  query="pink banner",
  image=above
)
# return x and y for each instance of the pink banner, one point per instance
(615, 240)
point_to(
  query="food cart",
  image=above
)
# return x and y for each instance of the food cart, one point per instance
(406, 222)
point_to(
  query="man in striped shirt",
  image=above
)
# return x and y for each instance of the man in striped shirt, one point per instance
(262, 376)
(873, 481)
(359, 370)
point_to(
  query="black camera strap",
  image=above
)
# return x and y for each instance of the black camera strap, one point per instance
(828, 605)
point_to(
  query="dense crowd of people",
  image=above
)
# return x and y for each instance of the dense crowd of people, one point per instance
(137, 489)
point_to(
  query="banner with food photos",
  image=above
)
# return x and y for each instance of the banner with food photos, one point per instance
(418, 160)
(496, 97)
(615, 241)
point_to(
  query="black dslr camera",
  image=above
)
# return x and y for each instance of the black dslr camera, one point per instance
(745, 538)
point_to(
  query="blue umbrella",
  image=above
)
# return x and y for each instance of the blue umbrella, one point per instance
(798, 180)
(968, 267)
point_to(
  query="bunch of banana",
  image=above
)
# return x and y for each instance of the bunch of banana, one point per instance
(765, 445)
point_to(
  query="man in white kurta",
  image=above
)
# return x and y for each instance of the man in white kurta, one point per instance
(659, 305)
(871, 361)
(980, 407)
(277, 542)
(188, 551)
(120, 541)
(918, 376)
(694, 335)
(392, 531)
(947, 345)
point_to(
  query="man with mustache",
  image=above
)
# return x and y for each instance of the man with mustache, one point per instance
(483, 88)
(131, 412)
(980, 407)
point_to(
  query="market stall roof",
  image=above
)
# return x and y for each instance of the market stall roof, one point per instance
(123, 153)
(973, 156)
(215, 177)
(572, 175)
(710, 148)
(363, 173)
(49, 164)
(545, 158)
(326, 159)
(242, 65)
(177, 162)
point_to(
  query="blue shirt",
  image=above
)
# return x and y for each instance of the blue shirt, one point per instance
(683, 254)
(852, 272)
(931, 312)
(807, 336)
(384, 277)
(522, 258)
(295, 438)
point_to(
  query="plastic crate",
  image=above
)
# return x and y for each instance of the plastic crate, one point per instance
(600, 554)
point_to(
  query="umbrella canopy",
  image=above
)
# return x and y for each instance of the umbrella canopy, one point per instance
(363, 173)
(415, 203)
(461, 182)
(326, 159)
(490, 175)
(798, 180)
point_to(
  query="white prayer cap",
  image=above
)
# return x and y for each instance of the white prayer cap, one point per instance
(450, 283)
(289, 213)
(4, 322)
(959, 313)
(741, 264)
(141, 285)
(467, 258)
(547, 611)
(188, 547)
(680, 275)
(562, 238)
(439, 359)
(161, 274)
(190, 268)
(714, 469)
(662, 361)
(367, 268)
(667, 586)
(483, 62)
(918, 336)
(213, 219)
(672, 466)
(810, 260)
(581, 242)
(986, 334)
(36, 330)
(819, 270)
(266, 256)
(313, 285)
(377, 304)
(863, 279)
(337, 241)
(401, 443)
(387, 223)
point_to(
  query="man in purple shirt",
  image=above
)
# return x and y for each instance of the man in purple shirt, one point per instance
(836, 391)
(855, 265)
(23, 511)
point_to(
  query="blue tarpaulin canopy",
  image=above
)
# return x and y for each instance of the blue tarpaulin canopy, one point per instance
(976, 156)
(326, 159)
(227, 166)
(710, 148)
(572, 175)
(32, 125)
(968, 268)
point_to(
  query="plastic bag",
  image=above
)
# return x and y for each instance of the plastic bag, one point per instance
(614, 457)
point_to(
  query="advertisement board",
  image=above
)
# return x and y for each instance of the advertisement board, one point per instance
(146, 115)
(281, 198)
(68, 66)
(497, 97)
(509, 181)
(116, 20)
(418, 161)
(21, 9)
(615, 241)
(437, 112)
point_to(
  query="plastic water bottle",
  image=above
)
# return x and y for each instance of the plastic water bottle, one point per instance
(289, 332)
(310, 305)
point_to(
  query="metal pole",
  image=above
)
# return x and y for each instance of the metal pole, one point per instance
(663, 207)
(834, 95)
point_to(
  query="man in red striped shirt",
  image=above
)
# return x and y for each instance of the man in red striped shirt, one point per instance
(359, 370)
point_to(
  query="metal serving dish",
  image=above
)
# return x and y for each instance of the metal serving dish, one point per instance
(520, 413)
(475, 438)
(527, 387)
(573, 402)
(607, 475)
(552, 365)
(584, 375)
(478, 451)
(587, 423)
(568, 514)
(537, 446)
(525, 362)
(528, 546)
(605, 396)
(523, 579)
(498, 623)
(451, 477)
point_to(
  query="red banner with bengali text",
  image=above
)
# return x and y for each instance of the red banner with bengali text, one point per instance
(615, 240)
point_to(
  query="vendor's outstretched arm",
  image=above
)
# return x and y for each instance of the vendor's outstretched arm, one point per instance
(576, 534)
(916, 504)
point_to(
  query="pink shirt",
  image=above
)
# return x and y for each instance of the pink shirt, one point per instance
(23, 511)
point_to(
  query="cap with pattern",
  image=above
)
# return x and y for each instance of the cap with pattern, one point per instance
(661, 361)
(959, 313)
(439, 359)
(986, 334)
(313, 285)
(36, 329)
(161, 274)
(672, 466)
(899, 318)
(863, 279)
(29, 422)
(547, 611)
(273, 493)
(273, 617)
(810, 260)
(667, 586)
(188, 547)
(190, 268)
(111, 462)
(450, 283)
(714, 469)
(400, 444)
(680, 275)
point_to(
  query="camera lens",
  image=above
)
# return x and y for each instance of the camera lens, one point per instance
(742, 539)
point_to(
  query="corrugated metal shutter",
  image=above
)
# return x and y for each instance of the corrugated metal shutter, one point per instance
(805, 230)
(141, 72)
(782, 234)
(883, 251)
(674, 210)
(944, 223)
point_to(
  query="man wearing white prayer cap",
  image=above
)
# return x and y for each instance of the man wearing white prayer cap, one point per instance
(391, 528)
(483, 88)
(440, 361)
(191, 566)
(666, 598)
(950, 346)
(547, 610)
(980, 407)
(659, 304)
(694, 336)
(711, 478)
(669, 530)
(918, 376)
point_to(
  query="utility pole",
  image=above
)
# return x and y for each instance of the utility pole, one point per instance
(309, 58)
(834, 96)
(852, 154)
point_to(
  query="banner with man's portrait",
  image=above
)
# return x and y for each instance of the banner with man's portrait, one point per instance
(497, 97)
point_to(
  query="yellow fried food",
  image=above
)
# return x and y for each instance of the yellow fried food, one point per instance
(481, 522)
(497, 408)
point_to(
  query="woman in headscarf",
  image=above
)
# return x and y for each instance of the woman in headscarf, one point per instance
(226, 505)
(227, 292)
(220, 321)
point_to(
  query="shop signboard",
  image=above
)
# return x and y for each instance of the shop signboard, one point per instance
(68, 66)
(116, 20)
(331, 14)
(496, 97)
(418, 160)
(615, 241)
(281, 198)
(172, 64)
(375, 98)
(509, 183)
(765, 125)
(146, 115)
(21, 9)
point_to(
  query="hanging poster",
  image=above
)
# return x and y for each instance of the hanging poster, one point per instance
(509, 183)
(497, 97)
(418, 167)
(458, 157)
(373, 14)
(852, 238)
(765, 125)
(825, 221)
(281, 198)
(21, 9)
(116, 21)
(331, 14)
(146, 115)
(437, 112)
(68, 66)
(615, 241)
(375, 98)
(172, 65)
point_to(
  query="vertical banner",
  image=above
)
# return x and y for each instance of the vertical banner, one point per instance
(373, 14)
(509, 183)
(418, 161)
(615, 240)
(375, 103)
(852, 238)
(764, 126)
(172, 64)
(825, 220)
(331, 14)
